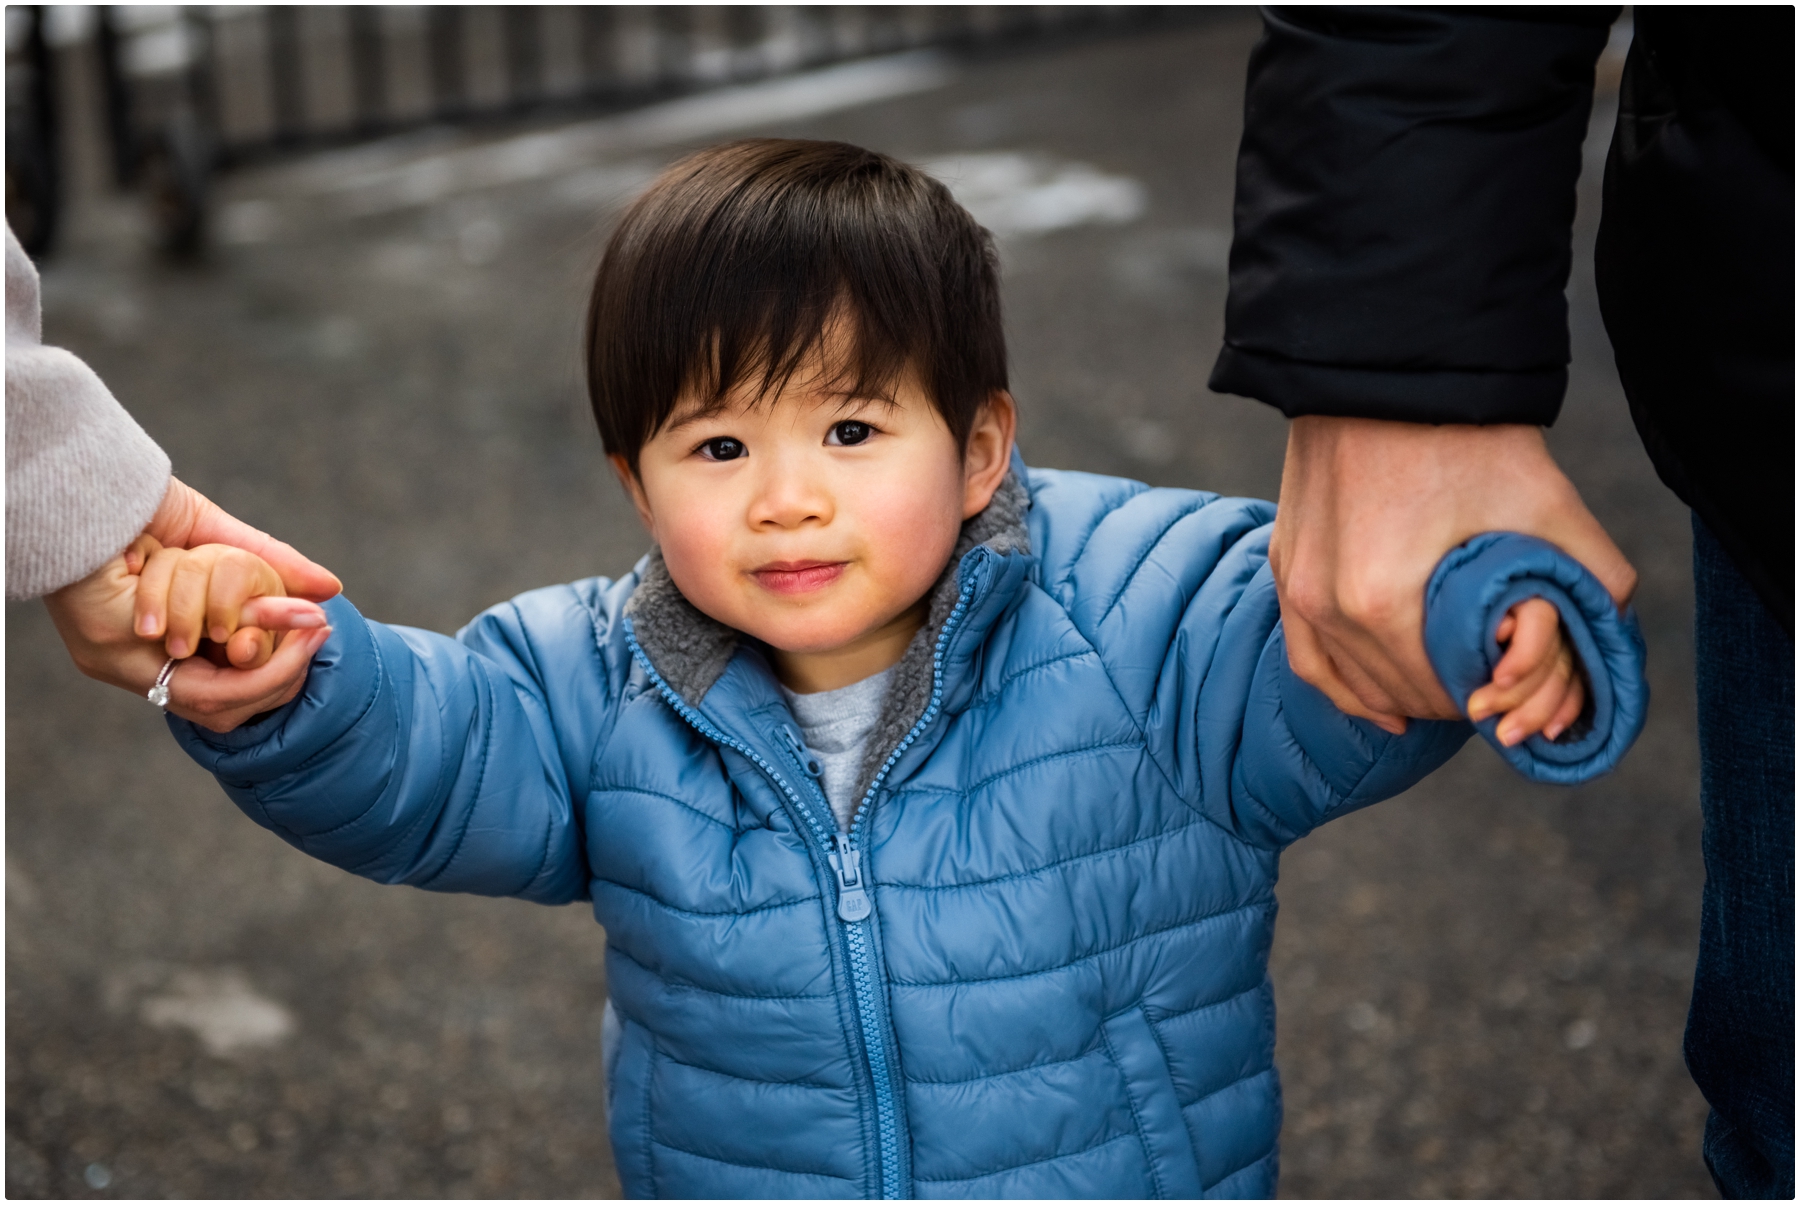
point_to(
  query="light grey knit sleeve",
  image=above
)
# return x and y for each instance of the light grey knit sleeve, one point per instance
(82, 478)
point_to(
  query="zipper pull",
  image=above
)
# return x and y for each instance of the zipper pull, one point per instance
(853, 901)
(801, 752)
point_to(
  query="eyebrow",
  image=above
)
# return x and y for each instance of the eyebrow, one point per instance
(840, 401)
(847, 400)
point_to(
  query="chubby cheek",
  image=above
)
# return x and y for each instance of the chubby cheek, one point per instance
(696, 545)
(909, 534)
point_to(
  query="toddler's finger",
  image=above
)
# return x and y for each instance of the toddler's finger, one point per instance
(1535, 712)
(139, 552)
(235, 578)
(1536, 638)
(1494, 699)
(249, 648)
(278, 614)
(1536, 625)
(1569, 712)
(185, 623)
(150, 609)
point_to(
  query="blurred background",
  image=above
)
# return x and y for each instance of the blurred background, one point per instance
(334, 260)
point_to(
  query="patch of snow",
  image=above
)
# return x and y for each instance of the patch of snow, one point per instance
(1014, 193)
(221, 1009)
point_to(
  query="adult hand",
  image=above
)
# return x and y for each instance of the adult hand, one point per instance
(187, 519)
(1368, 508)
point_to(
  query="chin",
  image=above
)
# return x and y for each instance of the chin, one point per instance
(806, 637)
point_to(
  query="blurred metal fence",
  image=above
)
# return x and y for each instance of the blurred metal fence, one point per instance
(33, 178)
(189, 90)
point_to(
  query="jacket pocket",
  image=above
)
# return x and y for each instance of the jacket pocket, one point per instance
(628, 1108)
(1139, 1057)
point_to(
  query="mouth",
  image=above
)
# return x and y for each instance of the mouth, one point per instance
(797, 577)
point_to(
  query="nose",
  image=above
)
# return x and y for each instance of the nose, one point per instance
(788, 497)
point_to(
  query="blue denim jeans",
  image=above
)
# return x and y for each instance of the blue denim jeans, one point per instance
(1740, 1030)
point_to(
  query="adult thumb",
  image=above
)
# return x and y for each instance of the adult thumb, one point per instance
(187, 518)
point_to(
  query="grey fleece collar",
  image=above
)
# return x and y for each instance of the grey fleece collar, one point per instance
(690, 650)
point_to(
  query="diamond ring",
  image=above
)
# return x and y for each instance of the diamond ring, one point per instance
(159, 693)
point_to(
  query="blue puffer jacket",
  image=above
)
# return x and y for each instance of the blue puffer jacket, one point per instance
(1036, 965)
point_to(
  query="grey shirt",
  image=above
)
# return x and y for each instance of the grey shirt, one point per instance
(835, 725)
(82, 478)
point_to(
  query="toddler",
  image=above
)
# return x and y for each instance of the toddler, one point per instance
(931, 804)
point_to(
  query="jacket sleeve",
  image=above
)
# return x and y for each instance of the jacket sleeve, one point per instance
(1405, 195)
(1275, 759)
(82, 478)
(1259, 751)
(411, 757)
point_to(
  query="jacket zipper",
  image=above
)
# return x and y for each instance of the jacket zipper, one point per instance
(853, 907)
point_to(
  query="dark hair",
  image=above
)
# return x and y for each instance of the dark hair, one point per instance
(740, 258)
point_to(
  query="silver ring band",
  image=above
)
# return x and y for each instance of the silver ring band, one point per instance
(159, 693)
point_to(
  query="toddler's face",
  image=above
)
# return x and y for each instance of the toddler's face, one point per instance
(815, 521)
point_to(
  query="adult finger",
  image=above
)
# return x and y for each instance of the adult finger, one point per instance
(279, 614)
(1312, 617)
(1308, 658)
(1575, 530)
(188, 518)
(221, 699)
(1371, 629)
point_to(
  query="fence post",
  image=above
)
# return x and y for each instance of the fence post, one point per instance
(600, 51)
(444, 28)
(287, 98)
(33, 160)
(117, 95)
(368, 73)
(524, 55)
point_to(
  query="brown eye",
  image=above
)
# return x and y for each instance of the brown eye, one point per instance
(722, 448)
(849, 433)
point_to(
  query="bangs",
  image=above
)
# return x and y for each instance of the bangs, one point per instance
(754, 358)
(755, 262)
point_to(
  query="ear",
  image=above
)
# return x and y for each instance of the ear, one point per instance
(634, 489)
(988, 454)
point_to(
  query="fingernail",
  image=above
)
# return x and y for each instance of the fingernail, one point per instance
(1552, 732)
(1509, 736)
(219, 634)
(307, 619)
(178, 648)
(147, 625)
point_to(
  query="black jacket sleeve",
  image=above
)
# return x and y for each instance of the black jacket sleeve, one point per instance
(1405, 192)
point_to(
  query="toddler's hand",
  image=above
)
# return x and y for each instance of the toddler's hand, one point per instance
(1536, 686)
(95, 618)
(212, 593)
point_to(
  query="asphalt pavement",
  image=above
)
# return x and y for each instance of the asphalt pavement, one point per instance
(1481, 985)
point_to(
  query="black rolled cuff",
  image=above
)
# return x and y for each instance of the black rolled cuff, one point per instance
(1425, 396)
